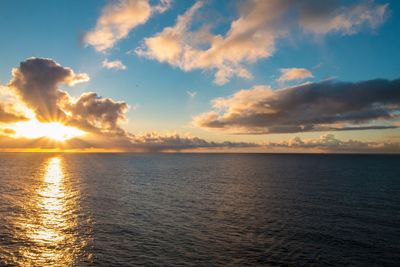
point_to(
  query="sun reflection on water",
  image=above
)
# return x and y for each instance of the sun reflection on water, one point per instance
(51, 204)
(52, 225)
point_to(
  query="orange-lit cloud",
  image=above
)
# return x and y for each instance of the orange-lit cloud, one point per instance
(291, 74)
(7, 114)
(118, 18)
(253, 35)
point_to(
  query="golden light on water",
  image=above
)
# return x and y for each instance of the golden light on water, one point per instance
(52, 196)
(51, 223)
(52, 130)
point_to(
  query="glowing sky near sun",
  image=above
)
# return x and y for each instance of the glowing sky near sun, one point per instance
(52, 130)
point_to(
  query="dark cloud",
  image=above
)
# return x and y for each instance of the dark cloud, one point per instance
(320, 106)
(91, 111)
(175, 142)
(36, 81)
(322, 17)
(377, 127)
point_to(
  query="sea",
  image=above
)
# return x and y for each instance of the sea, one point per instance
(199, 209)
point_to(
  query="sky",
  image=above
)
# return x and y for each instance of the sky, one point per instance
(182, 75)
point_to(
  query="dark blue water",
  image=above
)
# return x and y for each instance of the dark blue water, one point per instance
(199, 210)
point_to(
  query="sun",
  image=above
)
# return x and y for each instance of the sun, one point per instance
(52, 130)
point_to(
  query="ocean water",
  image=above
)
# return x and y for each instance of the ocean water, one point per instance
(199, 210)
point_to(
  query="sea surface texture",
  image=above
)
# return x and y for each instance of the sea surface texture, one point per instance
(199, 210)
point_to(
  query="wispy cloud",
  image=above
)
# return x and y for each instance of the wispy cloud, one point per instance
(191, 94)
(118, 18)
(252, 36)
(319, 18)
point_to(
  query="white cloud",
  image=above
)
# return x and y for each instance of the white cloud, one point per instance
(115, 64)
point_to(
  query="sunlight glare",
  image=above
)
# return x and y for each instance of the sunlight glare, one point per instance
(53, 130)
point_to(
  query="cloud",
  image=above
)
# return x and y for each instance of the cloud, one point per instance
(320, 106)
(35, 85)
(163, 6)
(148, 142)
(9, 111)
(174, 142)
(36, 82)
(317, 17)
(191, 94)
(10, 108)
(7, 114)
(115, 64)
(118, 18)
(92, 112)
(291, 74)
(182, 48)
(154, 142)
(253, 35)
(329, 143)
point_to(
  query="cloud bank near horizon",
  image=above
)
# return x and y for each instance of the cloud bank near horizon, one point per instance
(34, 93)
(154, 142)
(329, 143)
